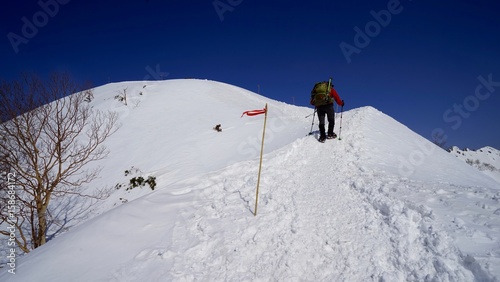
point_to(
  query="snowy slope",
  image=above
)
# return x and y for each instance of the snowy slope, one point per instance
(382, 204)
(486, 159)
(167, 130)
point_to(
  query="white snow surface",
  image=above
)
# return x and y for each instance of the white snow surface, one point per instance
(381, 204)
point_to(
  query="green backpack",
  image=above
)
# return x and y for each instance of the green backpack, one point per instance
(320, 94)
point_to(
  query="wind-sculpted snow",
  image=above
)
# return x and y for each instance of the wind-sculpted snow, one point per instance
(379, 205)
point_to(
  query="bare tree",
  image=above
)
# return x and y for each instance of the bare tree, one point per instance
(49, 136)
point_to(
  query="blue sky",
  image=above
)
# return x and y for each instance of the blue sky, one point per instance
(432, 65)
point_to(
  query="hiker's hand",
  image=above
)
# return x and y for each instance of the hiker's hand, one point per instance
(343, 103)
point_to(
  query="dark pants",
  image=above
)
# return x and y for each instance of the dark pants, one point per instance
(330, 114)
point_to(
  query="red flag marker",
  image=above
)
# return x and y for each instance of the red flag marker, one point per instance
(254, 112)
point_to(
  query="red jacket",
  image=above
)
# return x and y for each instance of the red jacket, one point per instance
(335, 95)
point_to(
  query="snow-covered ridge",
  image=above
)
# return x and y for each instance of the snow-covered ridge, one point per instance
(382, 204)
(486, 159)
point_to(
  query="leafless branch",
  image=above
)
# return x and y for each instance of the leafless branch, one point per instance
(50, 135)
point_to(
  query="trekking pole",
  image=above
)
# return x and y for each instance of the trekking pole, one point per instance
(312, 124)
(340, 130)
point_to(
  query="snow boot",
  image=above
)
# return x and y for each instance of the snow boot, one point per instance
(331, 136)
(322, 133)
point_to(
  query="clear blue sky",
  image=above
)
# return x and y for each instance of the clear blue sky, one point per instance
(421, 66)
